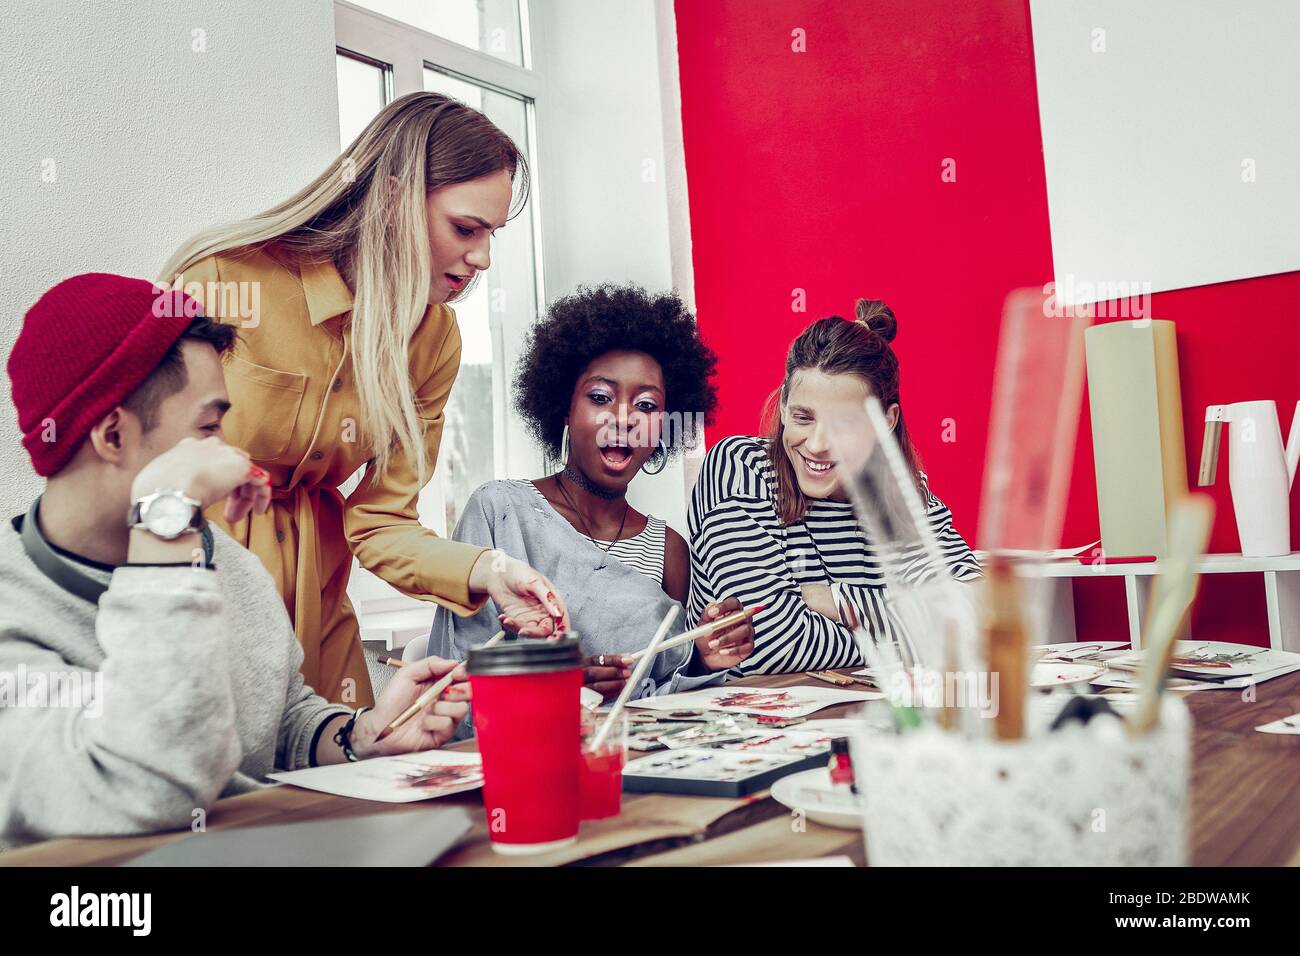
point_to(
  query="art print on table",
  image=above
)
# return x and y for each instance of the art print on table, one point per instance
(792, 743)
(401, 779)
(707, 765)
(784, 702)
(1219, 659)
(704, 735)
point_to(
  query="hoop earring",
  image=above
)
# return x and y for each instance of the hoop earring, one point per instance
(564, 446)
(660, 454)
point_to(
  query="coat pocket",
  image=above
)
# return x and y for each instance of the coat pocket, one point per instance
(264, 407)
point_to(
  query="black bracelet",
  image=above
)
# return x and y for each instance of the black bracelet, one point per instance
(343, 737)
(315, 739)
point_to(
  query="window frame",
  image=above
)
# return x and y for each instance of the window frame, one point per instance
(404, 52)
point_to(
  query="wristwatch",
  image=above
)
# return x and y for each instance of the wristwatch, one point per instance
(166, 514)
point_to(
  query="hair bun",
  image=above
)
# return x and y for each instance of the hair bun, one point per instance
(878, 317)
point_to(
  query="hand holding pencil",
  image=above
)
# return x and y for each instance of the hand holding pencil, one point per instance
(727, 645)
(434, 722)
(723, 638)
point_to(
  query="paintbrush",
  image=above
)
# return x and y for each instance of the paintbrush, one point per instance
(703, 630)
(430, 695)
(398, 662)
(1190, 519)
(1006, 647)
(638, 672)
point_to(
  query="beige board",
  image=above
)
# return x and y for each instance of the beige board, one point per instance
(1137, 432)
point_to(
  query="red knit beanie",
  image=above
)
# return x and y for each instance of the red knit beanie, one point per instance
(85, 346)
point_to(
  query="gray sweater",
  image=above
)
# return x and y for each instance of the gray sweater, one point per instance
(614, 608)
(180, 687)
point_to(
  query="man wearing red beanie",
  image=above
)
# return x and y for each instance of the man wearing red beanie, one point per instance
(147, 663)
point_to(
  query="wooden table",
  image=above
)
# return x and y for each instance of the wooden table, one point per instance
(1245, 807)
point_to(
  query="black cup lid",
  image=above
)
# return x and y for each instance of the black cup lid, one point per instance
(525, 656)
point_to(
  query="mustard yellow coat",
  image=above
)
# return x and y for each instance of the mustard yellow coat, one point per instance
(295, 410)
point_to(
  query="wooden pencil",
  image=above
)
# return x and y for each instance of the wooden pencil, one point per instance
(703, 630)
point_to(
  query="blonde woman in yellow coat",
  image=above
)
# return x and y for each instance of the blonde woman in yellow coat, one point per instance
(347, 351)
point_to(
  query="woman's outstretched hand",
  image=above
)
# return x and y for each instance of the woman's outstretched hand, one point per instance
(528, 602)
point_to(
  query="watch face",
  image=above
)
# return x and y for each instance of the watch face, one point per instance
(167, 516)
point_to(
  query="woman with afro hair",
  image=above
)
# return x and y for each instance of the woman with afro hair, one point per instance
(613, 381)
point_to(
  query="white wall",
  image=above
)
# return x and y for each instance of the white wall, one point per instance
(1171, 133)
(613, 197)
(155, 130)
(156, 117)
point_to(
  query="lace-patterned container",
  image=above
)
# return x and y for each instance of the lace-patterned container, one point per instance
(1081, 796)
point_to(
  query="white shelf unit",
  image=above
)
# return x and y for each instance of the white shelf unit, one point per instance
(1281, 592)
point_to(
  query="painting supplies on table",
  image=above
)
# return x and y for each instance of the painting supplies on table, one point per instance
(841, 765)
(689, 637)
(831, 677)
(1190, 520)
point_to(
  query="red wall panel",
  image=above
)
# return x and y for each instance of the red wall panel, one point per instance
(821, 171)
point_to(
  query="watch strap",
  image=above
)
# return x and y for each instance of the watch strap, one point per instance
(65, 574)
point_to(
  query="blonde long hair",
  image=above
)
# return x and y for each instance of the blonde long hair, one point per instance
(380, 237)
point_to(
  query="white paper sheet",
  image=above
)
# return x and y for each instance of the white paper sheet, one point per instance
(1287, 725)
(402, 779)
(765, 701)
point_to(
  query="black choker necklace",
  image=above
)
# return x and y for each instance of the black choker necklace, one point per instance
(581, 480)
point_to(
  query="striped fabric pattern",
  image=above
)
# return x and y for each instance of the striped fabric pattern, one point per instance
(739, 549)
(642, 552)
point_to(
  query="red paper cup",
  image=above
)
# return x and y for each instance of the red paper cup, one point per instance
(526, 718)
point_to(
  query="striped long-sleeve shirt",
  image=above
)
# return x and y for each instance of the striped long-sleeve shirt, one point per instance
(739, 549)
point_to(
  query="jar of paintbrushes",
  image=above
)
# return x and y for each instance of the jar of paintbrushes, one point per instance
(1091, 794)
(1016, 778)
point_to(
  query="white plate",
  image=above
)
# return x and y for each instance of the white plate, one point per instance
(810, 793)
